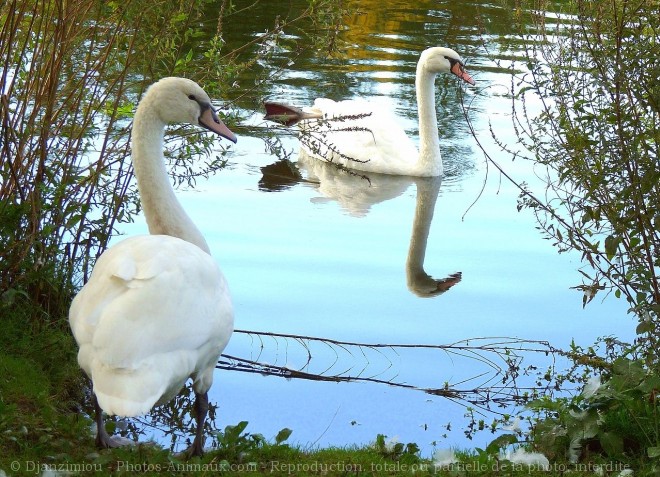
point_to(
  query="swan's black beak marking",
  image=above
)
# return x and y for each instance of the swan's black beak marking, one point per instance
(209, 120)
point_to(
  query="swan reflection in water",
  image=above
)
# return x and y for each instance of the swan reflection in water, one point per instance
(356, 192)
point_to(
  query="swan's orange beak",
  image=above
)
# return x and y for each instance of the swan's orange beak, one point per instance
(209, 119)
(458, 69)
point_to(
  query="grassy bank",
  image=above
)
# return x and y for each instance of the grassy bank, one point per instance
(44, 425)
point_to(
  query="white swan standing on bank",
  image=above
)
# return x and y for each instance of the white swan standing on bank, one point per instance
(360, 135)
(156, 310)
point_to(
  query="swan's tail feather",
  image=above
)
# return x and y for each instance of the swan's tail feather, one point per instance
(115, 406)
(287, 115)
(130, 393)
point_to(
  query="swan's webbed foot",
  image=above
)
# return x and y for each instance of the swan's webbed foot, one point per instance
(195, 450)
(106, 441)
(103, 439)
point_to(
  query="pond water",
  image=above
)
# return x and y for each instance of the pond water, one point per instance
(328, 255)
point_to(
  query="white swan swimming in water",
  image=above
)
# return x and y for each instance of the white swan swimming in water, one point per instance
(360, 135)
(156, 309)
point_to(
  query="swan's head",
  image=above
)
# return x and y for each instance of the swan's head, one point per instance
(444, 60)
(180, 100)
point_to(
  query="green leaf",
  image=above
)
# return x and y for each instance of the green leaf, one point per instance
(645, 327)
(650, 384)
(282, 436)
(612, 443)
(257, 439)
(611, 246)
(501, 442)
(653, 452)
(73, 220)
(232, 433)
(9, 296)
(380, 442)
(412, 448)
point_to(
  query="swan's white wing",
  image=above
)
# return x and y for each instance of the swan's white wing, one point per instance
(360, 135)
(155, 311)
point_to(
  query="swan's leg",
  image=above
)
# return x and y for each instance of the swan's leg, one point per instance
(201, 409)
(103, 439)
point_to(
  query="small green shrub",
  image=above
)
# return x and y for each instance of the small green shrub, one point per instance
(616, 420)
(397, 451)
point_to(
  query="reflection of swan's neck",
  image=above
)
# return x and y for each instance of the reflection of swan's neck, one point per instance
(429, 144)
(427, 195)
(420, 282)
(163, 212)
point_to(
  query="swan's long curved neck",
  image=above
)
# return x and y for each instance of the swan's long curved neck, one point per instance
(430, 160)
(162, 210)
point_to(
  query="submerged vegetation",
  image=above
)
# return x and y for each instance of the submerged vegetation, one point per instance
(71, 74)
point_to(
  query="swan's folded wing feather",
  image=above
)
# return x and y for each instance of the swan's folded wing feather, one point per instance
(358, 134)
(174, 300)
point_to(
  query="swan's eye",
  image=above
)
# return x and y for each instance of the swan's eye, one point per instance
(192, 96)
(454, 63)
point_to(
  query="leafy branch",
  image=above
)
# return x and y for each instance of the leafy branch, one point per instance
(580, 109)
